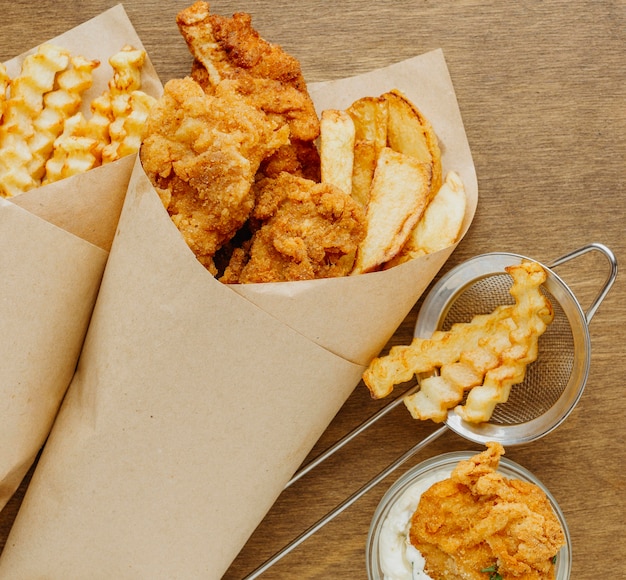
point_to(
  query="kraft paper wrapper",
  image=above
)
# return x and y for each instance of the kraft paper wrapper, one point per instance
(194, 402)
(55, 242)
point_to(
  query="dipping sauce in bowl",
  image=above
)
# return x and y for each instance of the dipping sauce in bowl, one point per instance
(389, 553)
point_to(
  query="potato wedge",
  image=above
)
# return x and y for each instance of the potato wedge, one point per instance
(370, 122)
(337, 149)
(440, 225)
(409, 132)
(398, 198)
(365, 158)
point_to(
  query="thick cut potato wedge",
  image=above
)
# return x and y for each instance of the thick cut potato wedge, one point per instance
(365, 158)
(398, 198)
(370, 120)
(440, 225)
(409, 132)
(370, 123)
(337, 149)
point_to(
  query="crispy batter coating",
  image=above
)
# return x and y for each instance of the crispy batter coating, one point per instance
(479, 519)
(302, 230)
(201, 153)
(230, 53)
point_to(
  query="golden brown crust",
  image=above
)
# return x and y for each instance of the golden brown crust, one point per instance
(303, 230)
(478, 519)
(201, 153)
(230, 49)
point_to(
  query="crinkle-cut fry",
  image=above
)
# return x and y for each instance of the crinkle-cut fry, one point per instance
(126, 130)
(439, 393)
(486, 356)
(15, 153)
(41, 138)
(37, 76)
(99, 122)
(14, 175)
(134, 124)
(423, 355)
(119, 114)
(127, 65)
(25, 103)
(59, 105)
(73, 151)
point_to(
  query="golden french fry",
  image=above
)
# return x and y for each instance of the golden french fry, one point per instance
(127, 65)
(4, 86)
(127, 132)
(59, 105)
(337, 149)
(41, 138)
(99, 122)
(441, 223)
(38, 75)
(73, 151)
(24, 105)
(409, 132)
(116, 124)
(125, 107)
(485, 356)
(398, 197)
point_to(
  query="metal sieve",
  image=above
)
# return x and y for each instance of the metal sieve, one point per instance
(552, 386)
(554, 383)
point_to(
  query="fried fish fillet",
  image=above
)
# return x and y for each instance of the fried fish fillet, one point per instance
(302, 230)
(478, 520)
(201, 153)
(230, 53)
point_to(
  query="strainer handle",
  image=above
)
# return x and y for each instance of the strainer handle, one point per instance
(610, 256)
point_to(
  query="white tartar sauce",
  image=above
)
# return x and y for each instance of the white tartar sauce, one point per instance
(399, 560)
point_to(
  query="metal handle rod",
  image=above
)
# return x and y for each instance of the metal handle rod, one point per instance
(349, 437)
(610, 256)
(345, 504)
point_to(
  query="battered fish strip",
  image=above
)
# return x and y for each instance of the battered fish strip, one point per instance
(230, 54)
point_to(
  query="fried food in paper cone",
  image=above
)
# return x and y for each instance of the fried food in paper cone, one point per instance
(179, 395)
(56, 237)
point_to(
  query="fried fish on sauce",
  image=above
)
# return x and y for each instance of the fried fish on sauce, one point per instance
(479, 519)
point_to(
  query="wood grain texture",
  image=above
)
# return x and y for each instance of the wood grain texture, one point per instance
(540, 86)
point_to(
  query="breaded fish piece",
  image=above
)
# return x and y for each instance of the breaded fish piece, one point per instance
(478, 519)
(230, 54)
(201, 153)
(302, 230)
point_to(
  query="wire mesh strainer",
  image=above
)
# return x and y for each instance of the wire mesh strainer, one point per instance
(551, 388)
(554, 383)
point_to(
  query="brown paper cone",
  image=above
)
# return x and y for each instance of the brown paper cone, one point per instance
(56, 240)
(194, 402)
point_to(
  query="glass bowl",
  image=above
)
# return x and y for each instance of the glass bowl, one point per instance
(398, 498)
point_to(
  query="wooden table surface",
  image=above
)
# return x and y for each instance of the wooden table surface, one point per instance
(540, 86)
